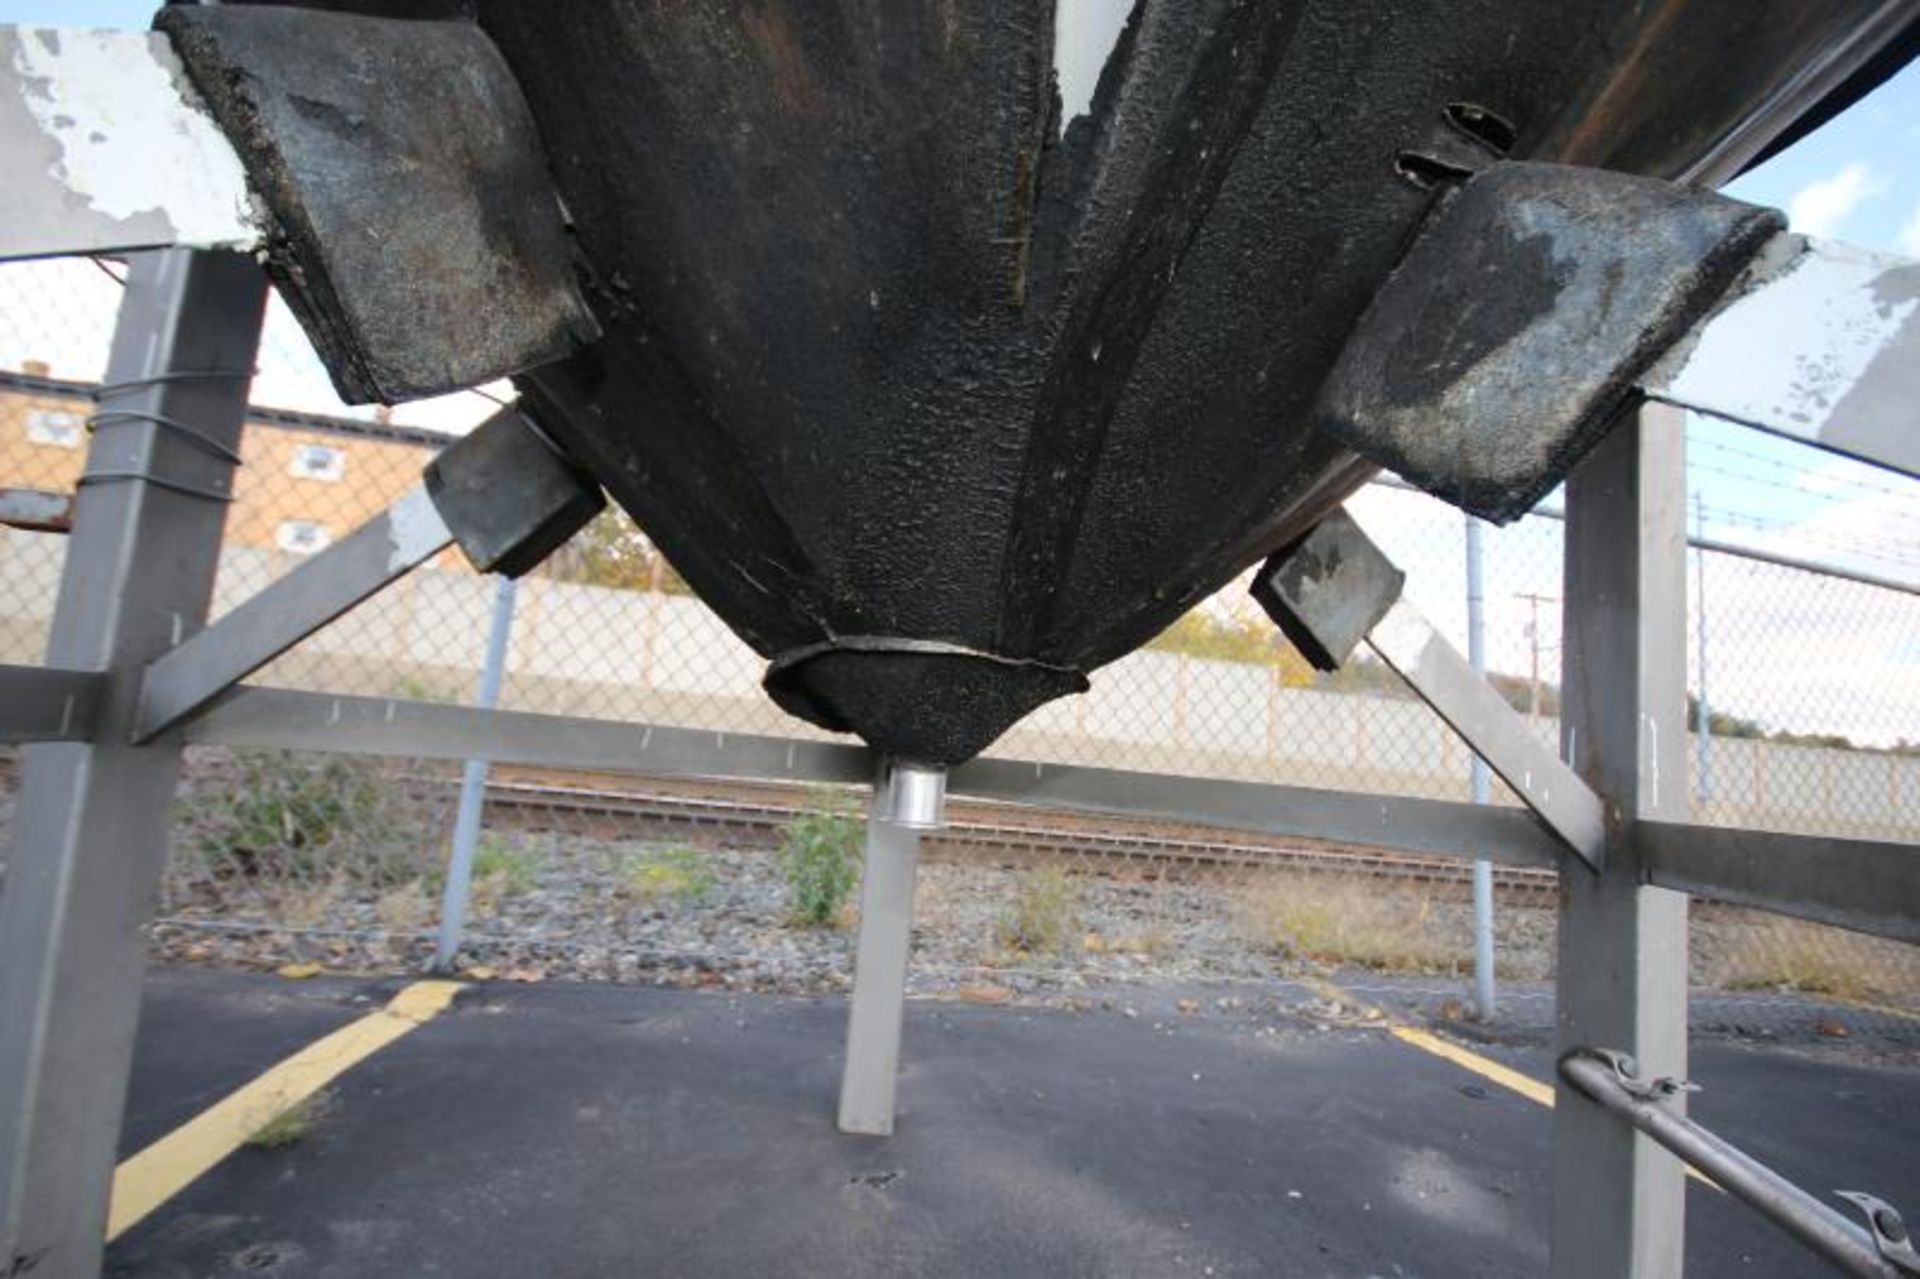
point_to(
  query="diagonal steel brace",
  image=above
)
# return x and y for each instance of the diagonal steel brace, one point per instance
(503, 492)
(1334, 588)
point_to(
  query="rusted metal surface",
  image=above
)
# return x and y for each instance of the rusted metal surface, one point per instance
(414, 229)
(36, 510)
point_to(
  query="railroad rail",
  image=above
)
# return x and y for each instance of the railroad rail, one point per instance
(975, 829)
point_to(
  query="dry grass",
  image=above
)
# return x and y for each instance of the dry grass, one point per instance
(1771, 952)
(1044, 916)
(405, 909)
(1336, 920)
(661, 877)
(308, 904)
(501, 870)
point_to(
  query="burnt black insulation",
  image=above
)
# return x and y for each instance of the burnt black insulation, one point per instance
(884, 356)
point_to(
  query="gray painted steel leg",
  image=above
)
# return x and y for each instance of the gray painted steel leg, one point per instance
(880, 968)
(1618, 1198)
(473, 787)
(91, 834)
(1483, 989)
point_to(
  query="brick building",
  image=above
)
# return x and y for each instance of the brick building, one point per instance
(306, 479)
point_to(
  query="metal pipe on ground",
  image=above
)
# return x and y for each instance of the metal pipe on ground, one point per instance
(1609, 1079)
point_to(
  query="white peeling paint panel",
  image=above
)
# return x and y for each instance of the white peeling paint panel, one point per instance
(1793, 350)
(108, 116)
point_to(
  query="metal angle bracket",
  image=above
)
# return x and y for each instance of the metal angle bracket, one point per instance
(509, 496)
(1326, 590)
(1334, 587)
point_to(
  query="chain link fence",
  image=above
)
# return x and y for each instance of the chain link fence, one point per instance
(1809, 681)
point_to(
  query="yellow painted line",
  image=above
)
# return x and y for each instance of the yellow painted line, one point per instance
(1526, 1085)
(1485, 1067)
(171, 1164)
(1512, 1080)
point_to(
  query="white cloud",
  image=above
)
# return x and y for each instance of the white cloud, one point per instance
(1819, 208)
(1909, 240)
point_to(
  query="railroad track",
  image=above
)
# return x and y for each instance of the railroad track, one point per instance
(753, 814)
(974, 830)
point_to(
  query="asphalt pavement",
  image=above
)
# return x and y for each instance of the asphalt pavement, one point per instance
(562, 1130)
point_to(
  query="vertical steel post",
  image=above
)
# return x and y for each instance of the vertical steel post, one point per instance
(1618, 1199)
(90, 839)
(1483, 991)
(473, 786)
(1703, 723)
(906, 801)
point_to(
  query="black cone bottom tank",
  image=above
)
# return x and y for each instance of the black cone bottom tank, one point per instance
(940, 406)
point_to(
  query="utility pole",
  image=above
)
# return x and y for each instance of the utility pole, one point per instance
(1703, 719)
(1534, 601)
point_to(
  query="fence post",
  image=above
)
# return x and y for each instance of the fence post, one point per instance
(473, 787)
(1621, 961)
(1483, 992)
(91, 835)
(1703, 721)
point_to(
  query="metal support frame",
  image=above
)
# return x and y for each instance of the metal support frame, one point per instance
(378, 553)
(1460, 695)
(46, 705)
(99, 777)
(1334, 588)
(907, 799)
(285, 719)
(1619, 1199)
(1484, 998)
(1881, 1250)
(1865, 885)
(91, 830)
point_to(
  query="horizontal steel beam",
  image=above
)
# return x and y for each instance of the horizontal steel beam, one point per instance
(1820, 343)
(1432, 827)
(288, 610)
(285, 719)
(43, 704)
(1863, 885)
(1495, 731)
(288, 720)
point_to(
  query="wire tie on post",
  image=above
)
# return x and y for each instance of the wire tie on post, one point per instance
(123, 477)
